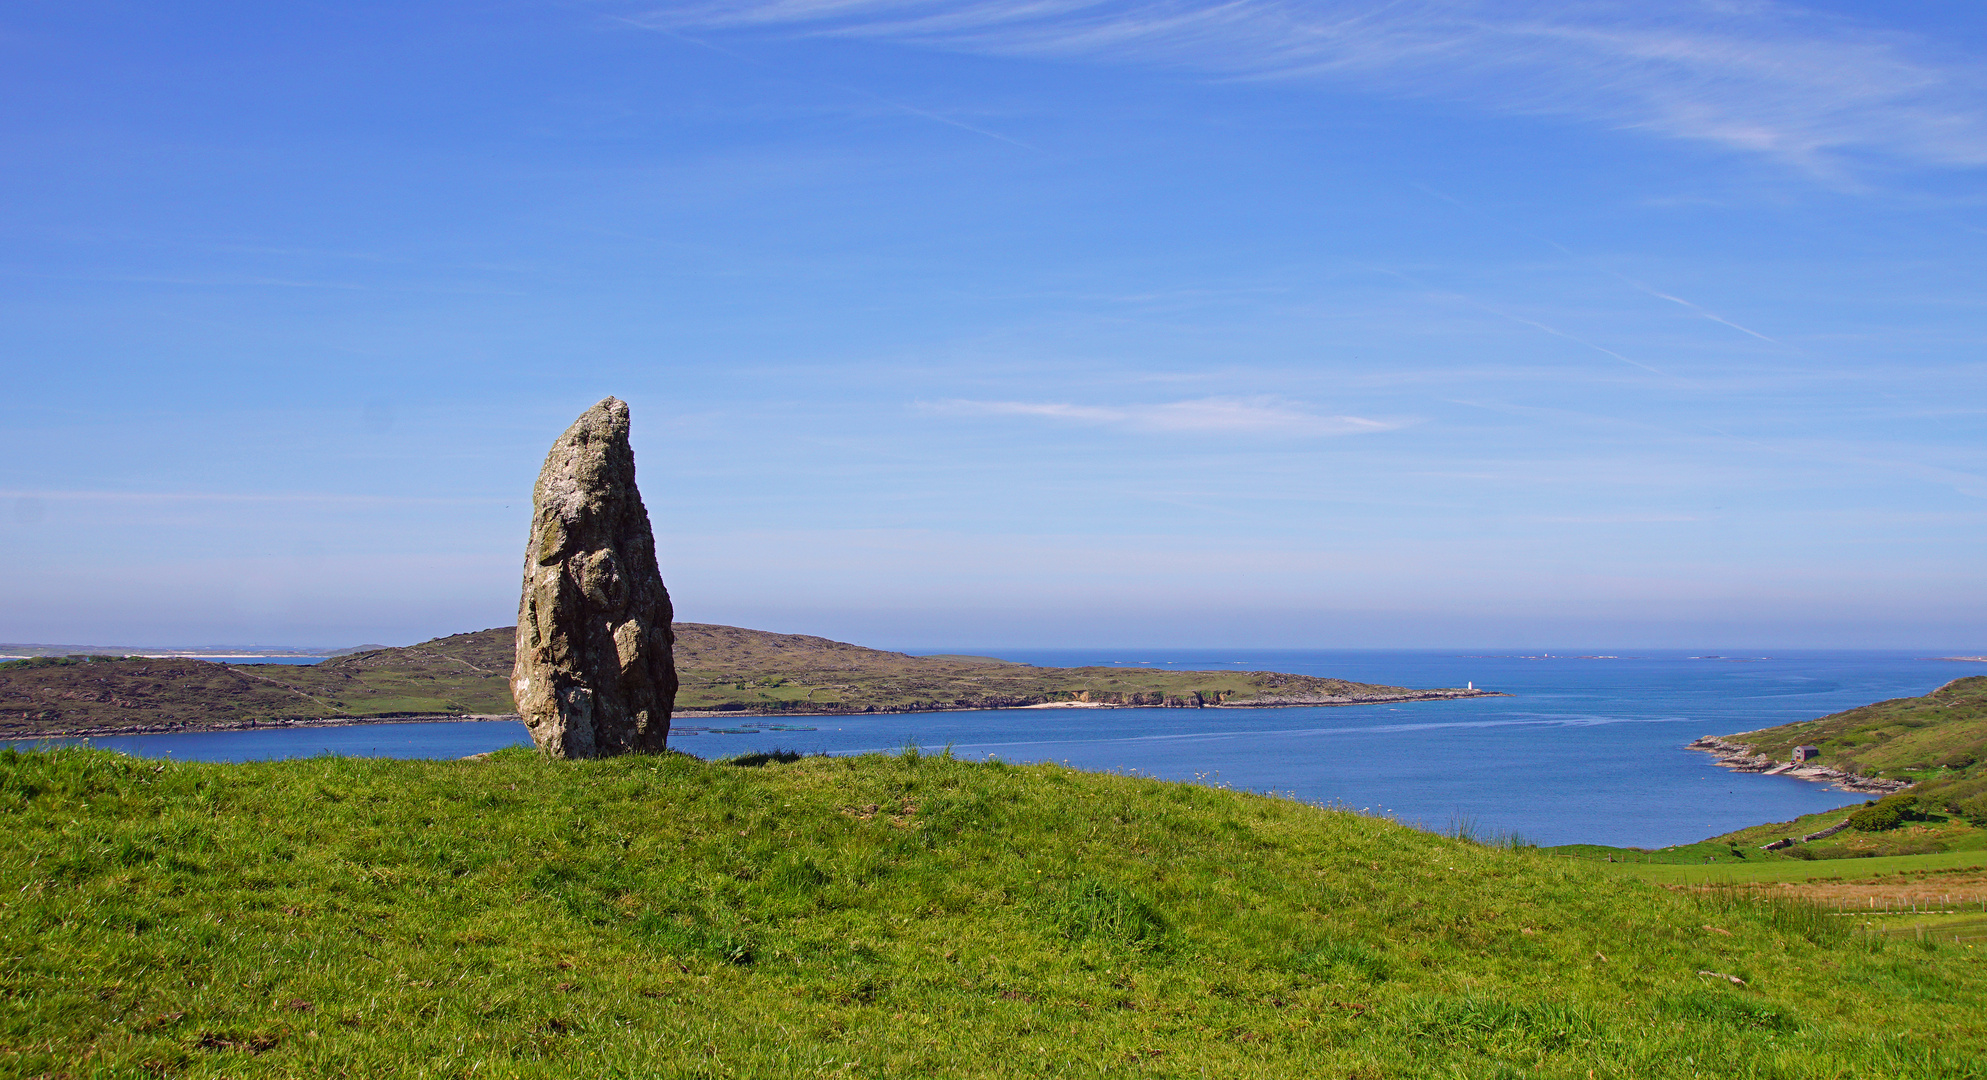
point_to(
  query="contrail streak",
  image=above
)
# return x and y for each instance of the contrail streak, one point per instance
(1533, 323)
(1589, 263)
(1713, 316)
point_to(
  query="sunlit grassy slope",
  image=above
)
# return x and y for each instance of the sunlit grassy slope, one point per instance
(1932, 826)
(900, 916)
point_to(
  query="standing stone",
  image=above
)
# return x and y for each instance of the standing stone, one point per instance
(595, 674)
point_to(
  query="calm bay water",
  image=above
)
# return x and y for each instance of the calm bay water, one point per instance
(1584, 750)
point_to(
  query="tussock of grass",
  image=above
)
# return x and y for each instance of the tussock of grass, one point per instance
(904, 915)
(1793, 915)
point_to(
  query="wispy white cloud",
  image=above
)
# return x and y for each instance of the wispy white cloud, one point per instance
(1754, 75)
(1638, 286)
(1206, 416)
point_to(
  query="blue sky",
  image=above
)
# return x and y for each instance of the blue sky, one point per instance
(1004, 323)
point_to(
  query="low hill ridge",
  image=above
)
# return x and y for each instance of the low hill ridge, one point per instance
(725, 670)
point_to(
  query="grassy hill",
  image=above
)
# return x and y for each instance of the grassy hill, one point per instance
(882, 917)
(724, 669)
(57, 695)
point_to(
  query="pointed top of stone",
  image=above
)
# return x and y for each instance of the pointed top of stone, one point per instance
(587, 458)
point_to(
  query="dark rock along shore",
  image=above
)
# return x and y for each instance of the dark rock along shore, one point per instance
(1740, 757)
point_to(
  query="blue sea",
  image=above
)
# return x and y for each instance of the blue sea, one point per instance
(1586, 749)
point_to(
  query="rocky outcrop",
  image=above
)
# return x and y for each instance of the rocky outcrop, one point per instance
(1740, 757)
(1828, 832)
(1787, 842)
(594, 675)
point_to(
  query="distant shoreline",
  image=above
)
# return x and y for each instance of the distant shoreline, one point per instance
(273, 723)
(1284, 703)
(122, 730)
(14, 650)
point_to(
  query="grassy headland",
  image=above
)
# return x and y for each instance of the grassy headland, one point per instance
(1937, 736)
(724, 670)
(882, 916)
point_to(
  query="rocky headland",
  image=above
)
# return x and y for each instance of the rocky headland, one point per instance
(1936, 739)
(1742, 757)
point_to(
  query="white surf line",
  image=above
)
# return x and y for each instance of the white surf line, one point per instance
(1214, 736)
(1535, 721)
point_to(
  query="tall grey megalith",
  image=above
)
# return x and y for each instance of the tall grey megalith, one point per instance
(595, 674)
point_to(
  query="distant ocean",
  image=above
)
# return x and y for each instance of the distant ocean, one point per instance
(1587, 749)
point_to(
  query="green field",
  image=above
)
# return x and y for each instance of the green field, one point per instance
(1929, 832)
(883, 916)
(1779, 870)
(1960, 928)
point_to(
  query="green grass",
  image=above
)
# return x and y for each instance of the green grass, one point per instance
(1778, 870)
(1702, 853)
(1932, 833)
(1956, 927)
(899, 916)
(1751, 837)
